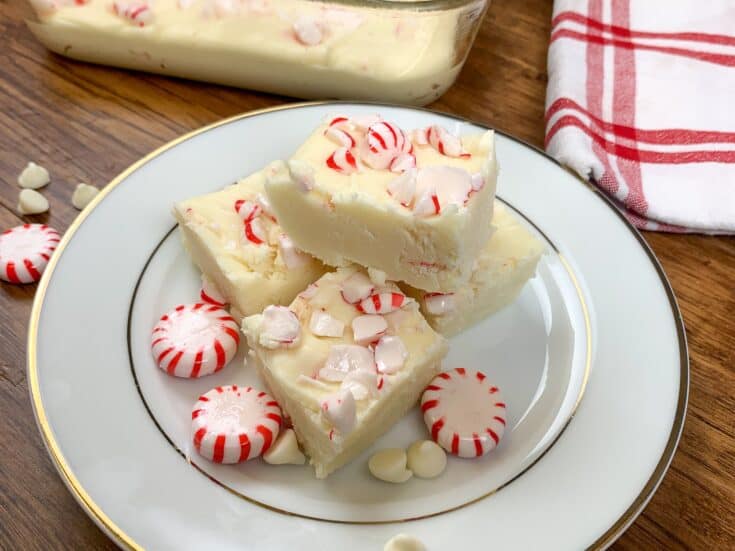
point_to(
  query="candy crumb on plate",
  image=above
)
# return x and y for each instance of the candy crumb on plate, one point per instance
(194, 340)
(25, 251)
(231, 424)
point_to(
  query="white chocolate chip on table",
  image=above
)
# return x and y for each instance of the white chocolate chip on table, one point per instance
(33, 176)
(426, 459)
(83, 195)
(31, 202)
(404, 542)
(285, 450)
(389, 465)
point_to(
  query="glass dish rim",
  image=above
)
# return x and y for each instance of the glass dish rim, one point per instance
(415, 5)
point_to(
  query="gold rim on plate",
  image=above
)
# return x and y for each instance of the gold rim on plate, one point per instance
(123, 539)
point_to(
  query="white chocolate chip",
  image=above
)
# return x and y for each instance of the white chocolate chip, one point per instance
(31, 202)
(285, 450)
(307, 31)
(324, 325)
(83, 194)
(368, 328)
(426, 459)
(33, 177)
(390, 465)
(404, 542)
(339, 411)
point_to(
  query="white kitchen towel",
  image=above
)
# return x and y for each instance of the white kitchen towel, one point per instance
(641, 102)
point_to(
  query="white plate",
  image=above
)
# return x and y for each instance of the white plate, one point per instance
(598, 322)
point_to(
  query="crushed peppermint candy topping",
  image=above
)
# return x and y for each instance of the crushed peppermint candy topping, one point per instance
(368, 328)
(383, 303)
(390, 354)
(343, 358)
(339, 411)
(279, 328)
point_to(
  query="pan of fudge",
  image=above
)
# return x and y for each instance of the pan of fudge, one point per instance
(343, 271)
(391, 50)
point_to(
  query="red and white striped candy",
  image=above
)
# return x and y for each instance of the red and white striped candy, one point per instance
(403, 162)
(445, 142)
(139, 13)
(231, 424)
(210, 294)
(25, 251)
(343, 161)
(247, 210)
(194, 340)
(254, 231)
(340, 136)
(464, 413)
(383, 303)
(384, 143)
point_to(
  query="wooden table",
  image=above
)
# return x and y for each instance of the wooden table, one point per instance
(87, 123)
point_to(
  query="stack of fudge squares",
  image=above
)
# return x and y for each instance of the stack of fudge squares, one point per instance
(351, 262)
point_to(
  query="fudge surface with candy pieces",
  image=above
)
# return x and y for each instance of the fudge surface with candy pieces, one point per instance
(503, 267)
(416, 205)
(235, 240)
(345, 361)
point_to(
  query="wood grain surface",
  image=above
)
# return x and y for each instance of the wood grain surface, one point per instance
(87, 123)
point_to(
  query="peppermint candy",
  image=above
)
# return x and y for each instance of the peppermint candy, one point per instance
(231, 424)
(383, 303)
(25, 251)
(464, 413)
(445, 142)
(343, 161)
(194, 340)
(210, 294)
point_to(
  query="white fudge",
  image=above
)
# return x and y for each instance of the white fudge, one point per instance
(503, 267)
(246, 254)
(344, 377)
(366, 203)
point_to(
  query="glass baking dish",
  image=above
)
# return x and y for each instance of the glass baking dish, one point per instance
(398, 51)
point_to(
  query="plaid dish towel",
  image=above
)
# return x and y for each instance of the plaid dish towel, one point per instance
(641, 102)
